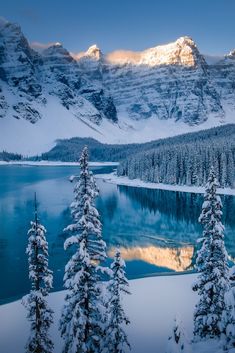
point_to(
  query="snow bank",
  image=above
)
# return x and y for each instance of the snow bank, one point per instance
(114, 179)
(151, 308)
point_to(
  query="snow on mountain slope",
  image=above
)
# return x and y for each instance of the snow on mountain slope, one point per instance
(117, 98)
(18, 135)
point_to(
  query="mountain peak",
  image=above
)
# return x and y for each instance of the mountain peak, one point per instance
(14, 43)
(181, 52)
(185, 40)
(231, 55)
(10, 28)
(57, 44)
(94, 52)
(56, 49)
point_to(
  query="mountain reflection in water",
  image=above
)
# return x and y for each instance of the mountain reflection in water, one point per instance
(176, 259)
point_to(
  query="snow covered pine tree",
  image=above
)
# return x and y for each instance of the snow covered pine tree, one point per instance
(116, 338)
(229, 313)
(81, 322)
(213, 279)
(178, 341)
(39, 313)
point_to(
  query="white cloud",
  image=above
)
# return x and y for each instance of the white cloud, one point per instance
(77, 56)
(124, 56)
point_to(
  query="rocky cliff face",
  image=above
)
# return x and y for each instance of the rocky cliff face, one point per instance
(170, 81)
(18, 73)
(28, 78)
(166, 82)
(223, 78)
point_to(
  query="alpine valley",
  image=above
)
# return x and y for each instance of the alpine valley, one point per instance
(120, 97)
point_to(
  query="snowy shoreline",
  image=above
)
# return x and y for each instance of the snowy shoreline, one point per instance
(114, 179)
(57, 163)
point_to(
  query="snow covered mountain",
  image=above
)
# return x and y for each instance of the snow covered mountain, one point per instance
(169, 82)
(123, 96)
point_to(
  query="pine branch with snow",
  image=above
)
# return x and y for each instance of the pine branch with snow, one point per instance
(116, 339)
(212, 265)
(81, 323)
(229, 313)
(39, 313)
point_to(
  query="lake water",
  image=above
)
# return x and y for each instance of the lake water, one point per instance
(156, 230)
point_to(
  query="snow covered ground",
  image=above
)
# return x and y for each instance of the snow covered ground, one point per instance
(151, 307)
(57, 163)
(114, 179)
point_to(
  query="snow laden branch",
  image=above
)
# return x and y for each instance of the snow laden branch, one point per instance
(229, 314)
(39, 313)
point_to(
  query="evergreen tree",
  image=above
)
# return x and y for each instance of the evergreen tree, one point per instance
(178, 341)
(81, 321)
(116, 338)
(39, 313)
(213, 279)
(229, 313)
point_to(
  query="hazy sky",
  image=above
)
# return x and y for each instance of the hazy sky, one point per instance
(125, 24)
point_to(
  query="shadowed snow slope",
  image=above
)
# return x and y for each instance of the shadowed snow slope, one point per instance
(151, 308)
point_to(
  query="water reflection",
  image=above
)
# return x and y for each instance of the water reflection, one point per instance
(155, 229)
(176, 259)
(180, 211)
(175, 204)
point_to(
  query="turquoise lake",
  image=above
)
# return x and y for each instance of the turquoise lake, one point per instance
(156, 230)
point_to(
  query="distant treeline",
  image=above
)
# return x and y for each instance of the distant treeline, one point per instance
(7, 156)
(186, 159)
(69, 149)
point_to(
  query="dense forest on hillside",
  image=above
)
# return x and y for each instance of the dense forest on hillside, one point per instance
(186, 159)
(70, 149)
